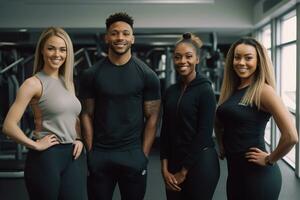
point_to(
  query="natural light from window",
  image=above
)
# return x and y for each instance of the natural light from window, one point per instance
(288, 66)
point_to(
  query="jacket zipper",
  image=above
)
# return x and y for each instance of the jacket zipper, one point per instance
(179, 99)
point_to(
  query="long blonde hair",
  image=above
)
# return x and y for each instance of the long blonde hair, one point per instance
(264, 74)
(66, 70)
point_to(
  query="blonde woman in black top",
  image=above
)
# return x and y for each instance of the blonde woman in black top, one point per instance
(247, 101)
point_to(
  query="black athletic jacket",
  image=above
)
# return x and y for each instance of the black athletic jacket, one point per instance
(188, 118)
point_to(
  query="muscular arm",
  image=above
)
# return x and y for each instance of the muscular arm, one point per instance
(87, 117)
(78, 145)
(78, 129)
(151, 110)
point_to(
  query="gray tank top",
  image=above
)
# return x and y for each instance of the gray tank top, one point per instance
(56, 111)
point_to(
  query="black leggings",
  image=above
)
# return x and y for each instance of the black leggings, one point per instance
(53, 174)
(201, 179)
(127, 168)
(250, 181)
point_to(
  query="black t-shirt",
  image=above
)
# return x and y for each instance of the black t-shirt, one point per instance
(244, 125)
(119, 93)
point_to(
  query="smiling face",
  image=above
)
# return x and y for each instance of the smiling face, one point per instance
(245, 62)
(185, 59)
(54, 53)
(119, 38)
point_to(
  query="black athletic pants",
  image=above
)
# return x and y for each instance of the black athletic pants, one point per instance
(201, 179)
(249, 181)
(128, 169)
(53, 174)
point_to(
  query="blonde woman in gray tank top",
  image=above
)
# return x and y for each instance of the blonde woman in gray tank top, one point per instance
(55, 165)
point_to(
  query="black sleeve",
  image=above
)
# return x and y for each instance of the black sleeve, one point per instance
(152, 86)
(164, 142)
(203, 138)
(86, 83)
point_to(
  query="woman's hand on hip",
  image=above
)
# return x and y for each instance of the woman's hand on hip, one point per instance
(46, 142)
(256, 156)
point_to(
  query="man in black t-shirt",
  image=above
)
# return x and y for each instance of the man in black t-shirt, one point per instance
(121, 99)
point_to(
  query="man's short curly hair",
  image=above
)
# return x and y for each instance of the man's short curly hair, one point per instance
(120, 16)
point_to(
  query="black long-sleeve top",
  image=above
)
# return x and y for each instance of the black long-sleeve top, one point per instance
(188, 117)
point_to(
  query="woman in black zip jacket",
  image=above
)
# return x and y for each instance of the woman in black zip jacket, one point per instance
(189, 161)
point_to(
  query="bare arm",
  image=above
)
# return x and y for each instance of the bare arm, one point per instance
(289, 137)
(30, 88)
(87, 117)
(78, 129)
(151, 110)
(78, 145)
(272, 103)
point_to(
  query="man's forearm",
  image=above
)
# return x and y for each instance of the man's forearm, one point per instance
(149, 135)
(87, 130)
(151, 109)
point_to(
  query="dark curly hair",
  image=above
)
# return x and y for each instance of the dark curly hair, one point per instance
(120, 16)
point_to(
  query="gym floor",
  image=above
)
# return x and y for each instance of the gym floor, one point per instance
(14, 189)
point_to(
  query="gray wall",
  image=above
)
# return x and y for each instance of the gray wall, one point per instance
(228, 18)
(228, 15)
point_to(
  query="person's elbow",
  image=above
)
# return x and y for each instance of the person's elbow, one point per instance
(294, 139)
(291, 138)
(5, 128)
